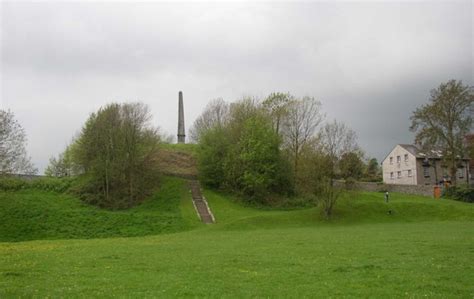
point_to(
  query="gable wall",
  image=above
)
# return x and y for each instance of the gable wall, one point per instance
(402, 167)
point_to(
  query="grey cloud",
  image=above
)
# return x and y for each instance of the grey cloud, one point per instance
(369, 63)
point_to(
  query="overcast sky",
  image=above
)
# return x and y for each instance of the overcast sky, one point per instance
(369, 63)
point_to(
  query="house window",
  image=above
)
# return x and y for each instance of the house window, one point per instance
(406, 157)
(391, 160)
(391, 176)
(399, 174)
(426, 171)
(461, 173)
(399, 159)
(409, 173)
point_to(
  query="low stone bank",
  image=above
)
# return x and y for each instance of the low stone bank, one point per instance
(425, 190)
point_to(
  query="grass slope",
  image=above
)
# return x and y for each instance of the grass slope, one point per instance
(429, 259)
(352, 208)
(425, 249)
(178, 160)
(32, 214)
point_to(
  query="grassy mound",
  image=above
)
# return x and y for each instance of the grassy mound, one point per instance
(178, 160)
(31, 214)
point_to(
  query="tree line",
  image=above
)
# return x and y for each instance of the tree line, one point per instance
(281, 145)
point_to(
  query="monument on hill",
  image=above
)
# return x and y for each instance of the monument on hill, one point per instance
(181, 134)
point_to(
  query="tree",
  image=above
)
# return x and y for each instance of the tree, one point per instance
(470, 146)
(336, 140)
(13, 156)
(214, 115)
(277, 106)
(444, 122)
(373, 169)
(301, 121)
(63, 165)
(243, 154)
(351, 165)
(259, 156)
(117, 150)
(214, 146)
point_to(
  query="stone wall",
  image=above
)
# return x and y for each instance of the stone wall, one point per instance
(424, 190)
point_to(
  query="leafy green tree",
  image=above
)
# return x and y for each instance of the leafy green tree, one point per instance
(259, 157)
(117, 150)
(351, 166)
(444, 122)
(244, 154)
(214, 115)
(337, 140)
(302, 119)
(214, 147)
(63, 165)
(13, 156)
(277, 104)
(373, 170)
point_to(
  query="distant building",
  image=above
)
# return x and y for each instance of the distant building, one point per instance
(408, 165)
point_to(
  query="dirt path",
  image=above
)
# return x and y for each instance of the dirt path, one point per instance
(200, 203)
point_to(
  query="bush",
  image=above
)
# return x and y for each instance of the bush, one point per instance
(461, 193)
(9, 183)
(117, 149)
(59, 185)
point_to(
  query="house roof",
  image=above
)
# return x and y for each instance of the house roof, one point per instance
(418, 153)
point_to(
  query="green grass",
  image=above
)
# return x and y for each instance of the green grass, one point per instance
(424, 249)
(31, 214)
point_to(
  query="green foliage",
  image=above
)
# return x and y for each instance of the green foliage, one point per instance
(372, 171)
(213, 149)
(11, 183)
(64, 165)
(244, 155)
(117, 150)
(351, 166)
(259, 158)
(277, 104)
(461, 193)
(444, 122)
(60, 185)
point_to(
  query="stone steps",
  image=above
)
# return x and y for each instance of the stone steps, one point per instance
(200, 203)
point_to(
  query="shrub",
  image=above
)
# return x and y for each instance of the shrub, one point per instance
(10, 183)
(461, 193)
(59, 185)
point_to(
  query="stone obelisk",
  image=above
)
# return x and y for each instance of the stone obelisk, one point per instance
(181, 134)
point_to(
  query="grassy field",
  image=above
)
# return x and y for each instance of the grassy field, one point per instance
(31, 214)
(424, 249)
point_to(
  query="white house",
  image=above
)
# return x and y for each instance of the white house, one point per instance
(408, 165)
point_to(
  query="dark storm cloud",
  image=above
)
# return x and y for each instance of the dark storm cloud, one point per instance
(371, 64)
